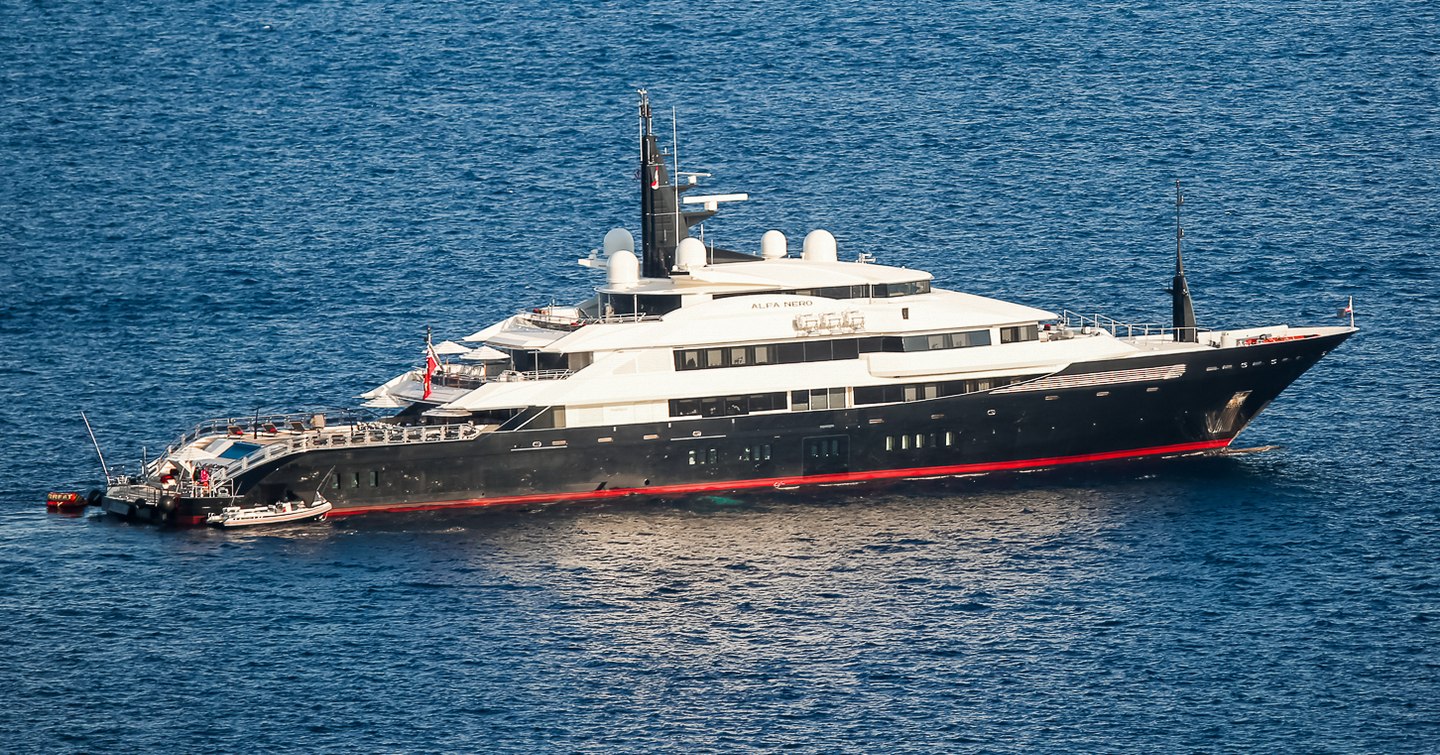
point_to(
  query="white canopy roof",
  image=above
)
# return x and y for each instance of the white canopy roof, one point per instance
(484, 354)
(451, 348)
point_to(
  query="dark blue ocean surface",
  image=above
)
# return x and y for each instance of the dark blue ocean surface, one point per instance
(213, 208)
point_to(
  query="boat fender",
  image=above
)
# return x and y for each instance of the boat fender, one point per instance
(169, 503)
(94, 498)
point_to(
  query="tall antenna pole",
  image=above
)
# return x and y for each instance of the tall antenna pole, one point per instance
(1182, 309)
(1179, 231)
(675, 143)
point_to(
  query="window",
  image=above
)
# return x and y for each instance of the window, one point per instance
(335, 482)
(970, 338)
(1020, 333)
(938, 341)
(892, 290)
(767, 402)
(374, 478)
(872, 344)
(817, 398)
(786, 353)
(727, 406)
(869, 394)
(756, 453)
(819, 351)
(354, 479)
(861, 291)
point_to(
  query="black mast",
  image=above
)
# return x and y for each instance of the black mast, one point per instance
(662, 224)
(1182, 309)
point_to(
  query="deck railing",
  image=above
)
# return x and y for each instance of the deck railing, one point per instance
(1084, 323)
(574, 319)
(469, 377)
(258, 424)
(361, 434)
(284, 442)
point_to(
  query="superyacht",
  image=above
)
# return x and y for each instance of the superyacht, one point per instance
(697, 369)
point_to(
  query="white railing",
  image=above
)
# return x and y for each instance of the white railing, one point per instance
(573, 319)
(466, 376)
(253, 425)
(361, 434)
(1086, 323)
(515, 376)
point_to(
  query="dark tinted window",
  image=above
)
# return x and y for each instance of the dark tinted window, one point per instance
(819, 351)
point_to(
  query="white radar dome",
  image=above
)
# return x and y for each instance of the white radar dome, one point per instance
(623, 269)
(690, 255)
(773, 245)
(819, 247)
(618, 239)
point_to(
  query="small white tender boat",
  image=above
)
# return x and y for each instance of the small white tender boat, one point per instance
(276, 513)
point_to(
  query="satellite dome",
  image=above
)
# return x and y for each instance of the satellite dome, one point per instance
(819, 247)
(773, 245)
(618, 239)
(690, 254)
(623, 269)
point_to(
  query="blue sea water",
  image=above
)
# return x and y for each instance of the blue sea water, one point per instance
(220, 207)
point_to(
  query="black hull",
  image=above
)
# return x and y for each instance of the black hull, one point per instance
(1220, 392)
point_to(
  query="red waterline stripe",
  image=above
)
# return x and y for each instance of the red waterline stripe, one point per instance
(703, 487)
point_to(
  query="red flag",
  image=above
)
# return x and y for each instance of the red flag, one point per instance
(431, 364)
(655, 179)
